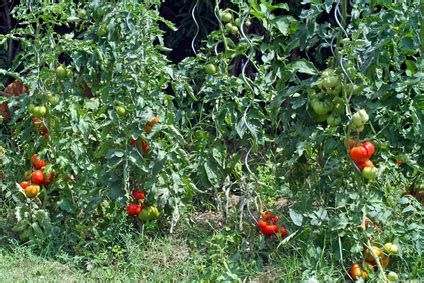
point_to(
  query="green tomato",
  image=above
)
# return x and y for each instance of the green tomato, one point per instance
(210, 69)
(31, 108)
(39, 111)
(226, 17)
(144, 214)
(334, 120)
(339, 105)
(69, 73)
(120, 110)
(82, 13)
(61, 72)
(248, 23)
(392, 276)
(335, 90)
(234, 30)
(102, 30)
(369, 173)
(360, 118)
(319, 118)
(353, 89)
(329, 79)
(321, 106)
(391, 248)
(53, 99)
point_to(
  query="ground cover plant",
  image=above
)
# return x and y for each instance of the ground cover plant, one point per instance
(212, 140)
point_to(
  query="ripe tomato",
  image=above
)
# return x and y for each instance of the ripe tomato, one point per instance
(35, 160)
(134, 142)
(37, 177)
(40, 164)
(356, 272)
(266, 215)
(210, 69)
(153, 121)
(274, 220)
(133, 209)
(138, 195)
(362, 165)
(283, 231)
(384, 261)
(369, 147)
(370, 173)
(358, 154)
(270, 230)
(32, 191)
(368, 256)
(144, 146)
(25, 184)
(262, 224)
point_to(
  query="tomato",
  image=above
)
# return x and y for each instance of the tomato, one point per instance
(47, 181)
(368, 256)
(138, 195)
(40, 111)
(351, 142)
(390, 248)
(37, 177)
(102, 30)
(360, 118)
(321, 106)
(120, 110)
(392, 276)
(283, 231)
(226, 17)
(358, 154)
(210, 69)
(274, 220)
(370, 173)
(61, 72)
(25, 184)
(133, 209)
(329, 79)
(35, 160)
(144, 215)
(53, 99)
(335, 90)
(262, 224)
(31, 109)
(353, 89)
(356, 272)
(362, 165)
(134, 142)
(40, 164)
(27, 175)
(384, 261)
(144, 146)
(369, 147)
(234, 30)
(32, 191)
(338, 105)
(270, 230)
(69, 73)
(82, 13)
(334, 120)
(266, 215)
(153, 121)
(147, 128)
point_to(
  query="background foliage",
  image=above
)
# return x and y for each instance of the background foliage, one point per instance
(247, 131)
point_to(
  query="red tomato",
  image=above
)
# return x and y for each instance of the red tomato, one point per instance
(270, 230)
(25, 184)
(134, 142)
(369, 147)
(274, 220)
(267, 215)
(34, 158)
(283, 231)
(144, 146)
(362, 165)
(138, 195)
(37, 177)
(133, 209)
(358, 154)
(262, 224)
(40, 164)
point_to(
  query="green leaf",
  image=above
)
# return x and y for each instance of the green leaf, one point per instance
(297, 218)
(302, 66)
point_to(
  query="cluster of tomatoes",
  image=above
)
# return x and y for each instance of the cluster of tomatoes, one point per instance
(325, 100)
(361, 155)
(381, 255)
(231, 24)
(140, 209)
(148, 129)
(268, 225)
(42, 176)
